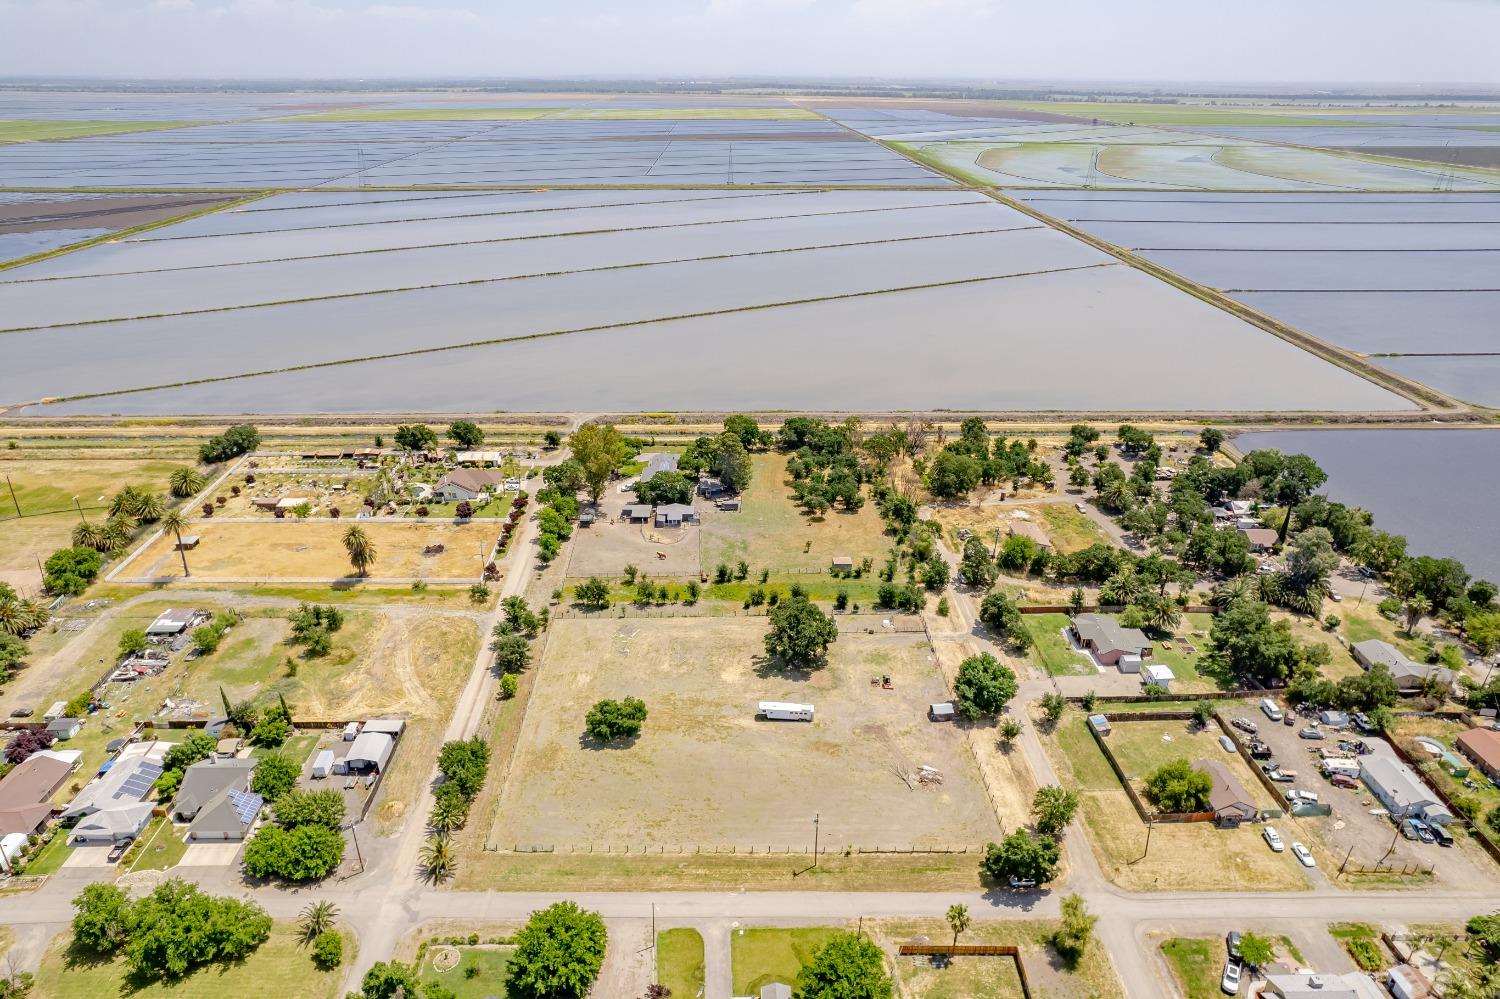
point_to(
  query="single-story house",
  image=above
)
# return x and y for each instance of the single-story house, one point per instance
(467, 484)
(1110, 643)
(126, 779)
(1401, 791)
(64, 728)
(942, 711)
(842, 563)
(658, 463)
(119, 821)
(675, 515)
(290, 503)
(1314, 985)
(1233, 510)
(206, 781)
(1482, 745)
(1026, 529)
(215, 797)
(1157, 675)
(369, 753)
(1408, 675)
(1227, 797)
(637, 513)
(72, 757)
(1261, 539)
(173, 621)
(709, 487)
(26, 793)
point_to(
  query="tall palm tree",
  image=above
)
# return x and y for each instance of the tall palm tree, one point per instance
(438, 860)
(318, 918)
(958, 920)
(19, 617)
(186, 481)
(172, 521)
(87, 535)
(361, 550)
(1417, 608)
(448, 814)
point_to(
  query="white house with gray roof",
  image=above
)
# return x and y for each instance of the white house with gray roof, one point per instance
(1408, 675)
(1401, 791)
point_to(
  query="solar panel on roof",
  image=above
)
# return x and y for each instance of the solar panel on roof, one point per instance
(247, 805)
(139, 782)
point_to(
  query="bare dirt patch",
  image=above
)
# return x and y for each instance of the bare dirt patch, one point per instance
(706, 772)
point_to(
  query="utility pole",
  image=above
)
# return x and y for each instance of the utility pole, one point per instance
(80, 510)
(1346, 858)
(13, 496)
(355, 836)
(653, 925)
(816, 817)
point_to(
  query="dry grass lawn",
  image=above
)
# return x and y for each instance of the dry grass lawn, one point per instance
(291, 549)
(706, 772)
(994, 977)
(1186, 857)
(771, 532)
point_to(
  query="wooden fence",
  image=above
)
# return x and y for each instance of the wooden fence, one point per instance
(1098, 609)
(971, 950)
(1147, 814)
(1225, 695)
(728, 849)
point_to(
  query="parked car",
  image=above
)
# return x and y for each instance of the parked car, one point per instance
(1259, 750)
(1409, 829)
(1229, 982)
(1270, 708)
(1336, 597)
(1299, 795)
(1245, 725)
(1289, 719)
(1081, 508)
(1022, 884)
(1273, 839)
(1304, 855)
(1424, 831)
(1232, 944)
(1269, 766)
(1440, 834)
(1345, 781)
(1284, 776)
(21, 713)
(118, 850)
(1311, 732)
(1363, 723)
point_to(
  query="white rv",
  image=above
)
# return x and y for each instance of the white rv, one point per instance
(786, 711)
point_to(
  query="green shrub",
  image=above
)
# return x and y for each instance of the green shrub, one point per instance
(328, 950)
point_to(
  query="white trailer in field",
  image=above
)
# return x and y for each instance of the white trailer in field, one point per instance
(786, 711)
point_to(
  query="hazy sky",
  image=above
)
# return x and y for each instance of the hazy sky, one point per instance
(1224, 40)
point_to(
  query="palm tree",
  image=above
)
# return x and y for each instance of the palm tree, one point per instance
(149, 508)
(173, 522)
(958, 920)
(117, 532)
(18, 617)
(87, 535)
(438, 860)
(1161, 614)
(1417, 608)
(186, 481)
(126, 501)
(448, 814)
(361, 550)
(318, 918)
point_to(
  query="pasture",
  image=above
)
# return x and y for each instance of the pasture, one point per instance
(706, 772)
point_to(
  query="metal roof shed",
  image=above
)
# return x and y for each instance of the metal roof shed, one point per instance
(371, 751)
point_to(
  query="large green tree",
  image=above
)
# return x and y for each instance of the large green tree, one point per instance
(847, 966)
(177, 928)
(1023, 855)
(466, 434)
(800, 634)
(1176, 787)
(558, 953)
(599, 448)
(984, 686)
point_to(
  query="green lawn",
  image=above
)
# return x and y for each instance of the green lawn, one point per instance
(281, 967)
(679, 962)
(51, 857)
(1069, 530)
(1184, 665)
(1090, 769)
(1052, 650)
(298, 748)
(492, 962)
(34, 130)
(1197, 963)
(159, 848)
(760, 957)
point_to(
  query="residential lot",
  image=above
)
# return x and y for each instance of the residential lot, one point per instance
(771, 532)
(611, 543)
(706, 772)
(1187, 856)
(313, 550)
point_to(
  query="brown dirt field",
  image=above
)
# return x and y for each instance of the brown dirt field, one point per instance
(993, 977)
(290, 549)
(706, 772)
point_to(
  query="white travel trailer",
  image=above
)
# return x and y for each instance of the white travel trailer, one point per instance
(786, 711)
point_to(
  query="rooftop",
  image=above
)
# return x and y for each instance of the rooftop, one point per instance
(1107, 635)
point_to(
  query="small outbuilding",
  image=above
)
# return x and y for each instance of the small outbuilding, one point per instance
(729, 504)
(637, 513)
(351, 731)
(392, 727)
(675, 515)
(1157, 675)
(1100, 724)
(64, 728)
(370, 753)
(1026, 529)
(842, 563)
(776, 990)
(322, 764)
(173, 621)
(941, 712)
